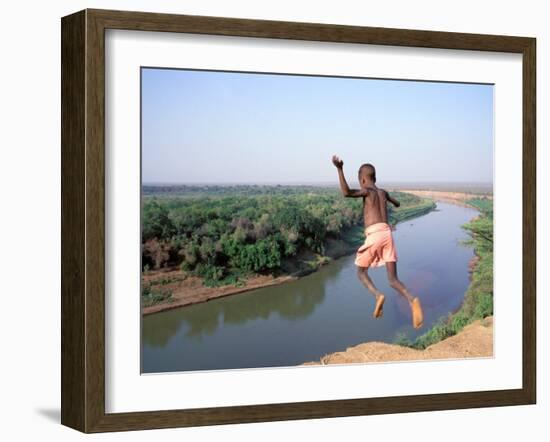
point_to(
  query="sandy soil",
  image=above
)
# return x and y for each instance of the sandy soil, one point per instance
(475, 340)
(459, 198)
(190, 290)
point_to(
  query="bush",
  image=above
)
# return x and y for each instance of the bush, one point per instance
(151, 296)
(403, 340)
(484, 306)
(156, 253)
(438, 332)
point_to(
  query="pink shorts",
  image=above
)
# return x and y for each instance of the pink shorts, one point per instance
(378, 248)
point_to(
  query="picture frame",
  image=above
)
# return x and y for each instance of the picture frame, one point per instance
(83, 220)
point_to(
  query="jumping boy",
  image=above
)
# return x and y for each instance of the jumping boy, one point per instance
(378, 248)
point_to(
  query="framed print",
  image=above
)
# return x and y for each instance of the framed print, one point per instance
(269, 220)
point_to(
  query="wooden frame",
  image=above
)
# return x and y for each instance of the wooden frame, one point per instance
(83, 216)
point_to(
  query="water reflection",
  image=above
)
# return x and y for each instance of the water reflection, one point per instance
(293, 303)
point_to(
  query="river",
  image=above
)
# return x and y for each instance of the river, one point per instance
(324, 312)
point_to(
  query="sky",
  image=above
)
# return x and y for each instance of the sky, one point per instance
(229, 127)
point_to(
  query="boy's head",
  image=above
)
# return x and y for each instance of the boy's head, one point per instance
(367, 173)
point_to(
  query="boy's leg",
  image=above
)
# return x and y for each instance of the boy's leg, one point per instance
(363, 275)
(395, 283)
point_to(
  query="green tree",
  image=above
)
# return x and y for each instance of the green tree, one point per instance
(156, 222)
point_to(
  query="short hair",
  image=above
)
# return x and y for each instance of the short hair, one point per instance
(368, 170)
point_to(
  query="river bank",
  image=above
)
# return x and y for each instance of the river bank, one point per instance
(188, 290)
(478, 299)
(459, 198)
(473, 341)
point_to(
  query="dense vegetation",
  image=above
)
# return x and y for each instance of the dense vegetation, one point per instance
(478, 299)
(222, 234)
(151, 295)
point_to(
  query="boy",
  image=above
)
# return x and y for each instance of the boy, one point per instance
(378, 248)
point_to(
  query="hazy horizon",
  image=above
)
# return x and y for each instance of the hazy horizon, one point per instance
(297, 183)
(201, 127)
(478, 188)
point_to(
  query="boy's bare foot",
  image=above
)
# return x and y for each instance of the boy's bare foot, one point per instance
(378, 312)
(417, 315)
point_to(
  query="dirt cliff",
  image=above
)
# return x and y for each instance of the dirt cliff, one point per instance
(474, 340)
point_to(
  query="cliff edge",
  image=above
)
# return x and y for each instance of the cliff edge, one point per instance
(473, 341)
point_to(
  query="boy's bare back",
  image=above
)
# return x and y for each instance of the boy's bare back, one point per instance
(375, 200)
(375, 206)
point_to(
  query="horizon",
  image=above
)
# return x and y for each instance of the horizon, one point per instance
(311, 183)
(461, 187)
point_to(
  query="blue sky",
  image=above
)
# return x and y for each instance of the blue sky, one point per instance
(223, 127)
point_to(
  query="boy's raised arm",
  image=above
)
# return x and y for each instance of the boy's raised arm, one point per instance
(346, 191)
